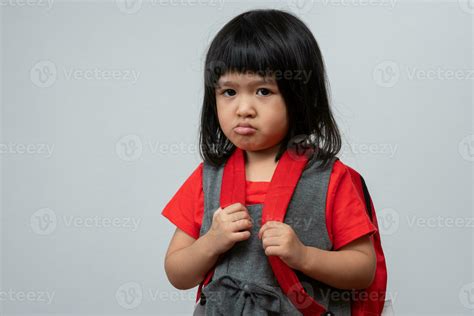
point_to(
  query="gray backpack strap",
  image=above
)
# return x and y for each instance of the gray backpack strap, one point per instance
(211, 185)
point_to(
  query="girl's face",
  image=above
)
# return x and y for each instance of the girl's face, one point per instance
(247, 98)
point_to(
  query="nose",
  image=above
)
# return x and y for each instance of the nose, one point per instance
(245, 107)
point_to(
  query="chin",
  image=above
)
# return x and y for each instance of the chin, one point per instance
(249, 147)
(246, 146)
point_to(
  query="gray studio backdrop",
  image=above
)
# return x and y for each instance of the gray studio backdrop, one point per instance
(100, 108)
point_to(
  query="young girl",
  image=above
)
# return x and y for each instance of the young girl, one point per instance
(265, 90)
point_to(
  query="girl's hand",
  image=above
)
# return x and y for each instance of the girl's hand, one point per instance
(279, 239)
(229, 225)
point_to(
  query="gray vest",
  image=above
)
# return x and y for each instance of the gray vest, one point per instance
(243, 282)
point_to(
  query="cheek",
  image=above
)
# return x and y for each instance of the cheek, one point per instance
(224, 118)
(276, 121)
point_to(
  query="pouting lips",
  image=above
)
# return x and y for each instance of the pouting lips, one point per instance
(244, 130)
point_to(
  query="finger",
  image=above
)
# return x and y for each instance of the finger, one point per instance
(271, 251)
(243, 224)
(270, 241)
(268, 225)
(238, 216)
(238, 236)
(236, 207)
(271, 232)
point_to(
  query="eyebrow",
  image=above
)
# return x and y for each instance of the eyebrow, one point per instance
(253, 82)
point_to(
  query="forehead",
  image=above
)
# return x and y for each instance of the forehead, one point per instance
(248, 78)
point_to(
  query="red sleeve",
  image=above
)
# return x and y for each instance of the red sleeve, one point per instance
(185, 209)
(346, 215)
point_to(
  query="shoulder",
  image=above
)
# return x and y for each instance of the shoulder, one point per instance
(211, 171)
(198, 170)
(342, 172)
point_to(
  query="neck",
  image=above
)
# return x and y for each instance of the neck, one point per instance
(261, 156)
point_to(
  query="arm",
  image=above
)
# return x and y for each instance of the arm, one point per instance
(350, 267)
(188, 260)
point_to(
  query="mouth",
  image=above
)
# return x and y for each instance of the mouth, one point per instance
(244, 129)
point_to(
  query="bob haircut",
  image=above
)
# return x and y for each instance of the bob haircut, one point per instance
(275, 43)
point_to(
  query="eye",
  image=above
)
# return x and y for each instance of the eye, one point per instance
(268, 92)
(223, 92)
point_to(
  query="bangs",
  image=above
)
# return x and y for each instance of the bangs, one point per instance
(245, 50)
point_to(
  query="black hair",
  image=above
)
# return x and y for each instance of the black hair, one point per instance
(271, 42)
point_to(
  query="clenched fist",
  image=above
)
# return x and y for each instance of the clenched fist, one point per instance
(230, 225)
